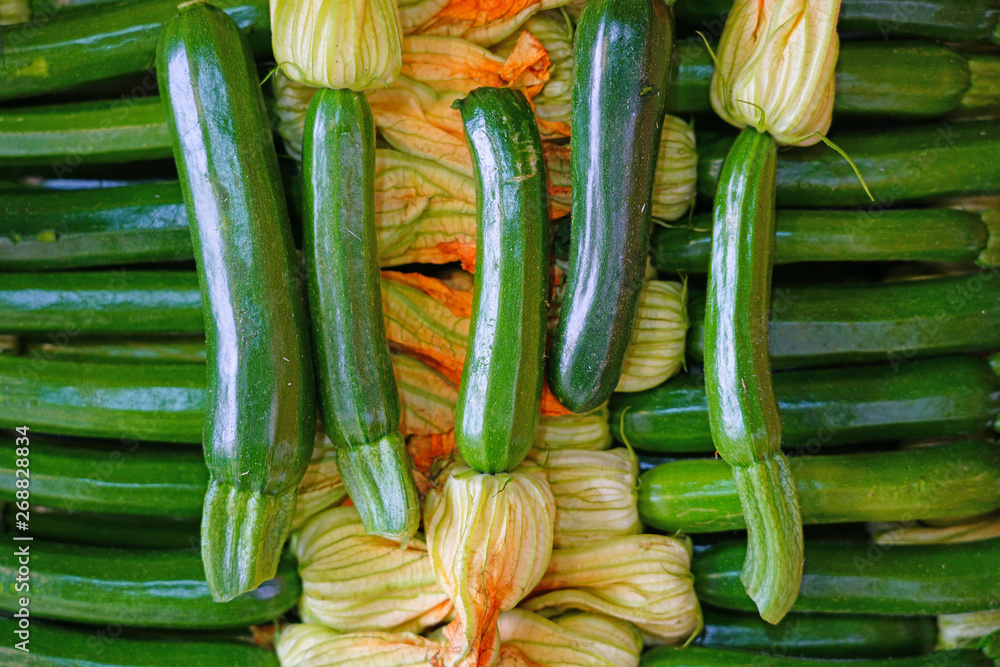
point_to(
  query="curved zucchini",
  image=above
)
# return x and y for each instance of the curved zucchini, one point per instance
(924, 398)
(621, 70)
(946, 481)
(862, 578)
(725, 657)
(357, 389)
(121, 531)
(259, 422)
(500, 393)
(141, 588)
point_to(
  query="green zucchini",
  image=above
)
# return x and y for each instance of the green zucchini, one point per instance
(500, 394)
(924, 398)
(119, 478)
(259, 422)
(802, 235)
(621, 70)
(135, 588)
(945, 481)
(899, 165)
(824, 326)
(147, 349)
(359, 400)
(864, 578)
(107, 41)
(946, 20)
(726, 657)
(123, 531)
(833, 637)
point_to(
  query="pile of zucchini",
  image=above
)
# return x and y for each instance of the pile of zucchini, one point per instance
(201, 374)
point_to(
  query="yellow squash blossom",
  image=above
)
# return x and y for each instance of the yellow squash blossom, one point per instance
(311, 645)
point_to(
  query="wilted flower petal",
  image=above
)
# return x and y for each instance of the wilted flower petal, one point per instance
(675, 187)
(656, 352)
(571, 640)
(310, 645)
(589, 430)
(483, 22)
(986, 528)
(321, 487)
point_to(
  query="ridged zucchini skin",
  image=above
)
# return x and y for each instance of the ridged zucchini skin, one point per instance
(803, 235)
(58, 645)
(843, 324)
(259, 421)
(104, 42)
(357, 389)
(863, 578)
(724, 657)
(121, 531)
(621, 70)
(137, 588)
(120, 478)
(500, 393)
(937, 397)
(825, 636)
(945, 481)
(900, 165)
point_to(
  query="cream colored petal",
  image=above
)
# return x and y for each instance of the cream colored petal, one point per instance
(589, 431)
(571, 640)
(656, 352)
(321, 487)
(310, 645)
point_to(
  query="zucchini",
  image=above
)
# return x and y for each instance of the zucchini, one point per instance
(123, 531)
(150, 350)
(945, 481)
(833, 637)
(359, 400)
(107, 41)
(899, 321)
(862, 578)
(621, 70)
(259, 425)
(500, 393)
(140, 588)
(803, 235)
(120, 478)
(58, 645)
(946, 20)
(925, 398)
(725, 657)
(900, 165)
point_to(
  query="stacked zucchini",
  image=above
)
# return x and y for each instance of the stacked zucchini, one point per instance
(150, 305)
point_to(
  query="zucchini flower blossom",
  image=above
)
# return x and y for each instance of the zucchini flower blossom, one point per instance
(570, 640)
(490, 538)
(321, 487)
(310, 645)
(656, 352)
(589, 431)
(966, 630)
(775, 66)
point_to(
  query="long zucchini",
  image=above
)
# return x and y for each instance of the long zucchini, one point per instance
(500, 392)
(726, 657)
(861, 578)
(621, 70)
(122, 531)
(147, 349)
(927, 235)
(935, 397)
(825, 326)
(946, 481)
(141, 588)
(899, 165)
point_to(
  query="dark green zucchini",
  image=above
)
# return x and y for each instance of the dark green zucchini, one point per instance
(864, 578)
(922, 235)
(621, 70)
(945, 481)
(260, 417)
(135, 588)
(924, 398)
(134, 401)
(900, 165)
(500, 393)
(725, 657)
(833, 637)
(148, 349)
(826, 326)
(122, 531)
(107, 41)
(359, 400)
(121, 478)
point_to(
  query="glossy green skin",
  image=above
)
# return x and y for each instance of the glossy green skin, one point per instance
(842, 324)
(149, 350)
(928, 235)
(820, 635)
(106, 41)
(878, 78)
(123, 531)
(621, 70)
(135, 401)
(124, 478)
(113, 302)
(56, 645)
(500, 395)
(924, 398)
(947, 481)
(946, 20)
(900, 165)
(723, 657)
(864, 578)
(142, 588)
